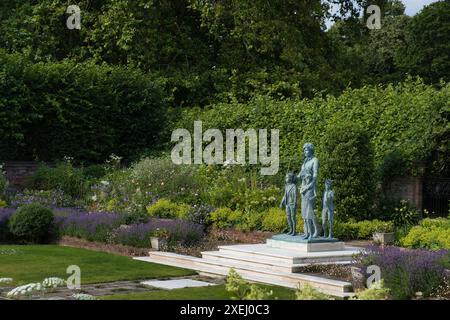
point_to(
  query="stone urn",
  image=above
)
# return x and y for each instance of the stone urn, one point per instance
(384, 238)
(158, 243)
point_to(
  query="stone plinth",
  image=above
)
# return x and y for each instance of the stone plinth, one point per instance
(265, 264)
(298, 243)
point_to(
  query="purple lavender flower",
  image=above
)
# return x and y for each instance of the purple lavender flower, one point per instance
(5, 214)
(138, 235)
(90, 226)
(407, 271)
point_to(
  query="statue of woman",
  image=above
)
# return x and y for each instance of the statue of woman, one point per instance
(308, 176)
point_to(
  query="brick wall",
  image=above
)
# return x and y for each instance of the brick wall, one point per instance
(406, 188)
(18, 171)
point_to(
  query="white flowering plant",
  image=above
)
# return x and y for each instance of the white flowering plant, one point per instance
(25, 290)
(53, 282)
(83, 296)
(6, 280)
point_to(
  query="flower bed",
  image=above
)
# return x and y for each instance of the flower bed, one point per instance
(109, 228)
(89, 226)
(406, 271)
(429, 234)
(138, 235)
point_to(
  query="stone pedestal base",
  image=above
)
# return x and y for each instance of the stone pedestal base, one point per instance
(297, 243)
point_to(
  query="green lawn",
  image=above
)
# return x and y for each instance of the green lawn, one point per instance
(203, 293)
(27, 264)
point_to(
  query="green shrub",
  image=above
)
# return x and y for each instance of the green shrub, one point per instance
(250, 221)
(431, 234)
(405, 214)
(408, 118)
(3, 181)
(83, 110)
(367, 228)
(274, 220)
(95, 171)
(346, 147)
(63, 177)
(306, 292)
(237, 188)
(377, 292)
(132, 190)
(31, 224)
(130, 218)
(345, 230)
(362, 230)
(223, 218)
(243, 290)
(162, 178)
(167, 209)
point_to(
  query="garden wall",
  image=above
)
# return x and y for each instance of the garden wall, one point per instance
(406, 188)
(18, 171)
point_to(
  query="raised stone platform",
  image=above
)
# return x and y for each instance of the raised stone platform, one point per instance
(298, 243)
(267, 264)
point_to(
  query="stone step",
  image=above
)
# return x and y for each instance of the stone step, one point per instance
(289, 256)
(269, 263)
(274, 264)
(284, 279)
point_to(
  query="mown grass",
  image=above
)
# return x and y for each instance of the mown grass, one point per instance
(34, 263)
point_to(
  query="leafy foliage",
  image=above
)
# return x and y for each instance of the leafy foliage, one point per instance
(377, 292)
(352, 230)
(405, 215)
(274, 220)
(164, 208)
(52, 110)
(349, 163)
(243, 290)
(31, 223)
(365, 125)
(306, 292)
(427, 39)
(429, 234)
(3, 181)
(223, 218)
(63, 177)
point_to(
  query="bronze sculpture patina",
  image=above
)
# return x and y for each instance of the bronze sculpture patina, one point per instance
(308, 176)
(328, 210)
(290, 202)
(307, 180)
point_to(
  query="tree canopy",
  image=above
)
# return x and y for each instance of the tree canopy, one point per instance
(209, 51)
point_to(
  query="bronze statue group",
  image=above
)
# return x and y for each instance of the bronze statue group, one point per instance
(308, 178)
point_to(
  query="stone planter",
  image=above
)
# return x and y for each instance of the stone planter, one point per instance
(384, 238)
(158, 243)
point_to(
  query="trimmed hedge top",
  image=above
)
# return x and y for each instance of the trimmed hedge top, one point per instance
(85, 111)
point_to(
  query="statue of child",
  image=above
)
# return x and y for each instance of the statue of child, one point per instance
(290, 202)
(328, 209)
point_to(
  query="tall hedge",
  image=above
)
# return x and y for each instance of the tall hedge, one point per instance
(409, 119)
(85, 111)
(348, 161)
